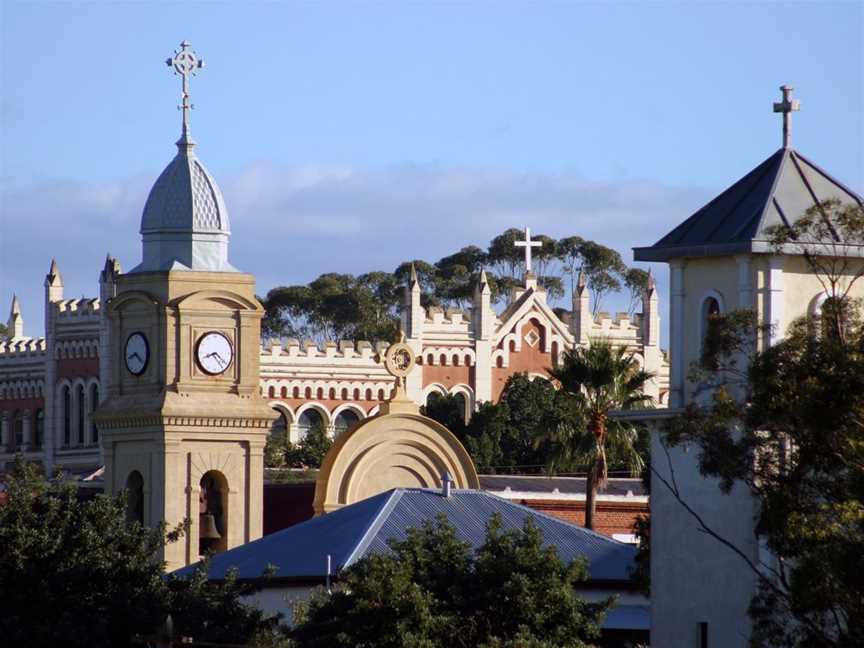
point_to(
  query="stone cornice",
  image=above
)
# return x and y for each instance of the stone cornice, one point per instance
(157, 420)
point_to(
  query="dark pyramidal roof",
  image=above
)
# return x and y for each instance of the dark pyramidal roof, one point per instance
(779, 190)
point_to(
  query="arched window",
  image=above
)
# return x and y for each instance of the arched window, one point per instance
(356, 394)
(94, 403)
(320, 393)
(284, 392)
(81, 411)
(332, 394)
(711, 309)
(345, 421)
(380, 394)
(279, 427)
(368, 394)
(431, 397)
(460, 399)
(344, 394)
(309, 420)
(67, 416)
(135, 497)
(213, 513)
(271, 392)
(455, 360)
(296, 392)
(39, 428)
(17, 430)
(499, 362)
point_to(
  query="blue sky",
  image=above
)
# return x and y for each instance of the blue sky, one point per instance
(351, 136)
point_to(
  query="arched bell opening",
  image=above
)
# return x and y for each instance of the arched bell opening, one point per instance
(135, 497)
(213, 513)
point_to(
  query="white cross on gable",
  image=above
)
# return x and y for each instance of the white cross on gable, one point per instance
(528, 244)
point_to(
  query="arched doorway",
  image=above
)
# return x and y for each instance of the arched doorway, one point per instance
(345, 421)
(213, 513)
(279, 427)
(135, 497)
(309, 420)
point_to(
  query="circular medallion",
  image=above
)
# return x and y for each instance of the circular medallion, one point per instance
(399, 359)
(136, 353)
(214, 353)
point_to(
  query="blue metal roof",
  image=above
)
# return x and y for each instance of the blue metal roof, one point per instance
(300, 552)
(779, 190)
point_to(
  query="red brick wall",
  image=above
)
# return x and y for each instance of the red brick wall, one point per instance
(448, 375)
(612, 517)
(528, 360)
(78, 368)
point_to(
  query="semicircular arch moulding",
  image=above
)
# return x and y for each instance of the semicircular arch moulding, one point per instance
(400, 450)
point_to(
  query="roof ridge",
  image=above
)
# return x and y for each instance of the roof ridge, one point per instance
(786, 153)
(757, 172)
(827, 176)
(374, 526)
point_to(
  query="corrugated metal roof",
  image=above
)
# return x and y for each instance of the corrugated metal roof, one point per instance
(779, 190)
(354, 531)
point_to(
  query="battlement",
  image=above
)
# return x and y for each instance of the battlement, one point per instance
(622, 321)
(344, 349)
(21, 347)
(82, 307)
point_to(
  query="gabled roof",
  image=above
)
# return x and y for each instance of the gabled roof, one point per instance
(777, 191)
(529, 301)
(300, 552)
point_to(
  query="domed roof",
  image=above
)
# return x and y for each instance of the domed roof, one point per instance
(185, 198)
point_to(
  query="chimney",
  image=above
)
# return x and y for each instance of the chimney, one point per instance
(446, 484)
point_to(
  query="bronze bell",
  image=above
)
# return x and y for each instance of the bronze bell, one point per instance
(208, 527)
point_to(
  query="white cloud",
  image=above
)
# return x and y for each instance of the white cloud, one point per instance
(290, 224)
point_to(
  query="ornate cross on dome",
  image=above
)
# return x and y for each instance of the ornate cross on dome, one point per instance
(787, 107)
(528, 244)
(185, 63)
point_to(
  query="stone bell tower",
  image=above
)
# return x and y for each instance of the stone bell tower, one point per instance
(184, 425)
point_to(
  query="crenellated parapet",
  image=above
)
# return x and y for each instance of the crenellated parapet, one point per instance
(22, 347)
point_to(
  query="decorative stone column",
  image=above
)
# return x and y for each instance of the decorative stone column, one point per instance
(774, 299)
(4, 431)
(27, 441)
(676, 334)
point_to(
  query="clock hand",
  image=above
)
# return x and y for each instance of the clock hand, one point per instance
(214, 354)
(135, 355)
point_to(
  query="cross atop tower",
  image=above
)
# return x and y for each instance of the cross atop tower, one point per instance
(787, 107)
(528, 244)
(185, 63)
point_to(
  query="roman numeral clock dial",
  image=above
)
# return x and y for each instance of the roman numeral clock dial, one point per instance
(214, 353)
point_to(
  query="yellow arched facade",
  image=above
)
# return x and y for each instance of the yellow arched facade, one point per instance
(400, 449)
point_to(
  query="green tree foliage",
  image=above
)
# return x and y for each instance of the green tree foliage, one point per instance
(509, 436)
(4, 333)
(78, 573)
(336, 306)
(311, 450)
(432, 591)
(597, 380)
(636, 282)
(448, 410)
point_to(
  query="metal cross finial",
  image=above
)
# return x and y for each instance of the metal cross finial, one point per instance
(185, 63)
(787, 107)
(528, 244)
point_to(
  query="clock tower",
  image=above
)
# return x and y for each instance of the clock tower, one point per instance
(184, 424)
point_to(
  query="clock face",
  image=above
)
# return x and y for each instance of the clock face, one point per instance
(137, 353)
(214, 353)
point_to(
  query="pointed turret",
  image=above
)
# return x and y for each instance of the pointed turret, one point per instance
(581, 319)
(108, 278)
(15, 324)
(412, 314)
(650, 314)
(53, 283)
(482, 314)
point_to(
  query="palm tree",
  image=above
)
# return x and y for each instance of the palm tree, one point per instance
(598, 379)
